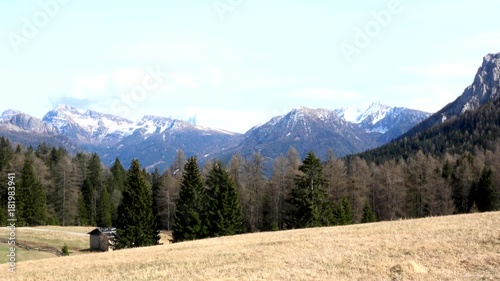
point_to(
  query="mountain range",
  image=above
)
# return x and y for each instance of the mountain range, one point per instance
(154, 140)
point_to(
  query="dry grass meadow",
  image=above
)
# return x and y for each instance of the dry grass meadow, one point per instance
(464, 247)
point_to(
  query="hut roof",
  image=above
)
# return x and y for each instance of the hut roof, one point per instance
(110, 232)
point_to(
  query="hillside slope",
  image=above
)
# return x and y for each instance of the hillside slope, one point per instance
(473, 129)
(465, 247)
(484, 89)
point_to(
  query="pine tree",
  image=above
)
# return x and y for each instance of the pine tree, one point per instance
(485, 195)
(368, 215)
(308, 197)
(189, 224)
(223, 208)
(136, 223)
(32, 207)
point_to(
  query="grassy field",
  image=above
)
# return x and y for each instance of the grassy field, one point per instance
(465, 247)
(22, 255)
(52, 236)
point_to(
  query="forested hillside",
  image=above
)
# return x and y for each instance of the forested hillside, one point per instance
(471, 131)
(450, 169)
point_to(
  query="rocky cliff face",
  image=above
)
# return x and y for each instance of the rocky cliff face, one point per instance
(485, 88)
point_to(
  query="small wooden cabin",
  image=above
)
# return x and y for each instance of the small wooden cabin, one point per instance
(102, 238)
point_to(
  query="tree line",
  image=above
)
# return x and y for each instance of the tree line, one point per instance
(195, 202)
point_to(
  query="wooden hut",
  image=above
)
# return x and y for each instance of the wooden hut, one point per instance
(102, 238)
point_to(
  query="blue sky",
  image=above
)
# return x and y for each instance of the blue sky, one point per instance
(236, 63)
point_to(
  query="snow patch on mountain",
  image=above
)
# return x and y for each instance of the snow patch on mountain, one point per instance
(374, 112)
(8, 114)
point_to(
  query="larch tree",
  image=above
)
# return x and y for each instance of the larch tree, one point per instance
(254, 183)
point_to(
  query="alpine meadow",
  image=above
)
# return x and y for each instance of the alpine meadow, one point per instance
(249, 140)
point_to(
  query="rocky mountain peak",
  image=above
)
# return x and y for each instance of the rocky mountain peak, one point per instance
(8, 114)
(484, 89)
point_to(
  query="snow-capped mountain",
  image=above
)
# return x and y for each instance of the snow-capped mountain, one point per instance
(29, 130)
(8, 114)
(484, 89)
(307, 130)
(91, 127)
(381, 118)
(17, 121)
(371, 113)
(155, 139)
(344, 131)
(88, 126)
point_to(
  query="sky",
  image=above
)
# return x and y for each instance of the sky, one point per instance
(233, 64)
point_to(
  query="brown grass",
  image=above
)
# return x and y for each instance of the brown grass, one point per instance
(55, 237)
(22, 255)
(465, 247)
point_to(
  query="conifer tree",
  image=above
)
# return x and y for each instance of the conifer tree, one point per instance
(343, 212)
(189, 224)
(368, 214)
(156, 188)
(5, 152)
(308, 197)
(83, 214)
(119, 175)
(347, 215)
(223, 206)
(31, 206)
(485, 195)
(104, 209)
(136, 223)
(87, 206)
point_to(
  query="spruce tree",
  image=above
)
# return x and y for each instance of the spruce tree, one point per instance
(223, 206)
(156, 185)
(189, 224)
(308, 197)
(368, 214)
(136, 223)
(31, 206)
(83, 214)
(485, 195)
(88, 198)
(104, 209)
(119, 175)
(5, 152)
(347, 216)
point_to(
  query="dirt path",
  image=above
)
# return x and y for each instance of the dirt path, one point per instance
(51, 230)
